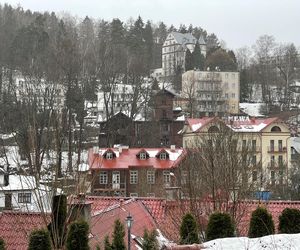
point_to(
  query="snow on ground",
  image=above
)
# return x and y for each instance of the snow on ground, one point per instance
(252, 109)
(271, 242)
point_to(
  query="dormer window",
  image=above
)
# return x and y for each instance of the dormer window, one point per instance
(163, 156)
(109, 155)
(143, 156)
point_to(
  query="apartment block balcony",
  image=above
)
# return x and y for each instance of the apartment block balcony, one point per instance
(277, 149)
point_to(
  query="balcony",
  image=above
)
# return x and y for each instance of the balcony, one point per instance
(274, 149)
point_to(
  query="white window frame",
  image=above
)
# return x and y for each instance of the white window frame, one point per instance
(103, 177)
(133, 177)
(151, 177)
(163, 156)
(167, 176)
(109, 156)
(24, 197)
(143, 156)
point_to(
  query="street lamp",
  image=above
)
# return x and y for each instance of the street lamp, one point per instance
(129, 222)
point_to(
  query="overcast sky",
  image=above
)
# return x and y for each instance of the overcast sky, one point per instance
(237, 22)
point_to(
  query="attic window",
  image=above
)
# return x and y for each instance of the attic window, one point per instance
(163, 156)
(143, 156)
(109, 155)
(275, 129)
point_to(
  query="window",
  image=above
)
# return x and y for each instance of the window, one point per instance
(133, 176)
(103, 177)
(24, 197)
(254, 175)
(150, 176)
(272, 145)
(254, 160)
(163, 156)
(280, 145)
(272, 175)
(272, 160)
(244, 144)
(109, 155)
(233, 95)
(226, 95)
(143, 156)
(280, 160)
(254, 145)
(167, 176)
(184, 177)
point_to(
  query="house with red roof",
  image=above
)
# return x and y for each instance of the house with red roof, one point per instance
(135, 172)
(266, 139)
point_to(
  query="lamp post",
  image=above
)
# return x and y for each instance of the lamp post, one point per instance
(129, 222)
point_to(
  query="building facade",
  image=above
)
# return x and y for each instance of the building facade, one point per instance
(174, 51)
(211, 92)
(268, 142)
(135, 172)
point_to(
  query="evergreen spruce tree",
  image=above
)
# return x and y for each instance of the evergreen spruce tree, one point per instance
(150, 241)
(39, 240)
(118, 236)
(188, 230)
(198, 58)
(57, 227)
(2, 244)
(107, 245)
(219, 226)
(261, 223)
(188, 60)
(289, 221)
(78, 236)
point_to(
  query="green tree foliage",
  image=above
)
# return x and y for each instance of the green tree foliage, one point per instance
(198, 58)
(219, 226)
(188, 60)
(2, 244)
(189, 230)
(261, 223)
(221, 59)
(289, 221)
(39, 240)
(150, 241)
(78, 236)
(57, 227)
(107, 245)
(118, 236)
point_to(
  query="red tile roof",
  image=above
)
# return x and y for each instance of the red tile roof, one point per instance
(102, 222)
(128, 158)
(15, 228)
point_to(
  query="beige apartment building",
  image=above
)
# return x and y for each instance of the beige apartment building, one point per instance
(268, 140)
(211, 92)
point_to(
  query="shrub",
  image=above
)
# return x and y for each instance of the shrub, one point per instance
(261, 223)
(39, 240)
(289, 221)
(150, 241)
(78, 236)
(2, 244)
(188, 230)
(118, 236)
(219, 226)
(107, 245)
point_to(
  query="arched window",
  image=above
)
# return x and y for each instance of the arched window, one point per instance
(213, 129)
(275, 129)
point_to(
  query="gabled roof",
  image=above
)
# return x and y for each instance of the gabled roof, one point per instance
(16, 227)
(237, 124)
(127, 159)
(184, 38)
(197, 124)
